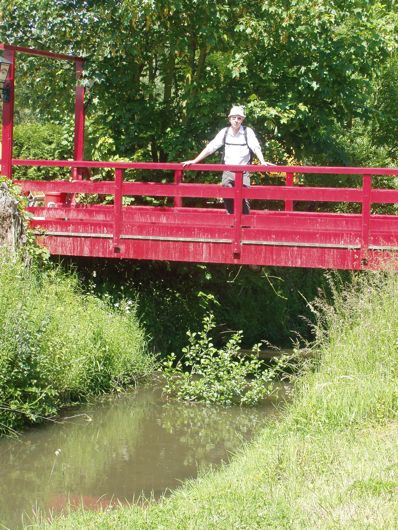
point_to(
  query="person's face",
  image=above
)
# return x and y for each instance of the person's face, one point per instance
(236, 122)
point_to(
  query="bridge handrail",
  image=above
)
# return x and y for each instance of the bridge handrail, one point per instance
(179, 189)
(338, 170)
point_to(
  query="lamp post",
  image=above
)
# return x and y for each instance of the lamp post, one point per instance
(5, 65)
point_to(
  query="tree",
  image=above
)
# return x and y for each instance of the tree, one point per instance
(166, 71)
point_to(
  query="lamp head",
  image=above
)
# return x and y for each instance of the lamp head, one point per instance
(4, 68)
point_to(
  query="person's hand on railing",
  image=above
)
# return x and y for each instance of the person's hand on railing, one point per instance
(203, 154)
(188, 163)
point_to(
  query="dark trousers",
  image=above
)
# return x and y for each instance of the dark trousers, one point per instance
(228, 181)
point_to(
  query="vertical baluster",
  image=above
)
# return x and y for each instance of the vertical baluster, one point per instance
(289, 182)
(238, 212)
(117, 210)
(366, 191)
(177, 180)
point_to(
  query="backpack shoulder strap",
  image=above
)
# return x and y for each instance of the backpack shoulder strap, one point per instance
(222, 154)
(247, 143)
(225, 135)
(245, 133)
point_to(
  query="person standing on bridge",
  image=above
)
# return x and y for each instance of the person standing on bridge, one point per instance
(239, 144)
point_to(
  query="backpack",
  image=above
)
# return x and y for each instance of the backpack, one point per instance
(225, 143)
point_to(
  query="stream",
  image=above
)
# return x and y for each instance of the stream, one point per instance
(117, 450)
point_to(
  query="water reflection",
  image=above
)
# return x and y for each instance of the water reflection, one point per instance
(116, 450)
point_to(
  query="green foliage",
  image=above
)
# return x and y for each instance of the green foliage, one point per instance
(15, 192)
(266, 304)
(30, 249)
(385, 100)
(219, 375)
(162, 74)
(58, 345)
(331, 460)
(41, 141)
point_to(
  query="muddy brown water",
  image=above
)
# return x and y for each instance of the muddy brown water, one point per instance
(117, 450)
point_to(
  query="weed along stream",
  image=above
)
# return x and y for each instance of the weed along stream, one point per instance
(117, 449)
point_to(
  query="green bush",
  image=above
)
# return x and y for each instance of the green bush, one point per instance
(36, 141)
(58, 345)
(219, 375)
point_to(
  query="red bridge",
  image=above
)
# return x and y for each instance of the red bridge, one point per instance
(300, 233)
(292, 223)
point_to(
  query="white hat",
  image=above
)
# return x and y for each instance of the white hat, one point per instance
(237, 110)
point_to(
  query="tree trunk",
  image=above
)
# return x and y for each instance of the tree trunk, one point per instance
(12, 233)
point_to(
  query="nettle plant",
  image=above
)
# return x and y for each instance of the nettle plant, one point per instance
(219, 375)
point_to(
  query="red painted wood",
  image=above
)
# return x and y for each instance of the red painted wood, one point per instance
(8, 106)
(320, 170)
(284, 237)
(8, 119)
(383, 196)
(206, 233)
(236, 219)
(153, 189)
(366, 188)
(79, 119)
(177, 182)
(43, 53)
(118, 213)
(289, 181)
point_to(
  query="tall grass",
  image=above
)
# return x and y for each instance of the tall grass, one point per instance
(357, 347)
(331, 462)
(58, 345)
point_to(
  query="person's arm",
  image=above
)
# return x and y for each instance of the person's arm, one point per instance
(212, 146)
(203, 154)
(254, 145)
(259, 155)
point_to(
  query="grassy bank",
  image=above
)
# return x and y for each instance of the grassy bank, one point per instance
(332, 462)
(59, 346)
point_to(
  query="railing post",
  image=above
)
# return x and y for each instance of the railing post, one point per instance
(117, 210)
(8, 117)
(238, 213)
(289, 181)
(79, 120)
(366, 191)
(177, 180)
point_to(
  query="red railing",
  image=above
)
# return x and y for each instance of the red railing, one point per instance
(279, 237)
